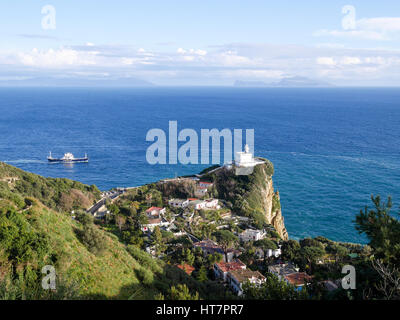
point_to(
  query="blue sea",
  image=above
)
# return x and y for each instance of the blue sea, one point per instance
(331, 148)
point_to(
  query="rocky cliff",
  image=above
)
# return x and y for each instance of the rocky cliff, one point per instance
(252, 195)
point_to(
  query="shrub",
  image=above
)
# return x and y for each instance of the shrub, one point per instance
(144, 275)
(94, 240)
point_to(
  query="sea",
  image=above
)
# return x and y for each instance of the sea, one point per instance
(332, 148)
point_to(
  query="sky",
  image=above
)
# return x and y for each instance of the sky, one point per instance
(209, 42)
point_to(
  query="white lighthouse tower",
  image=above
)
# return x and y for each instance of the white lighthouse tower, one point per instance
(245, 162)
(245, 159)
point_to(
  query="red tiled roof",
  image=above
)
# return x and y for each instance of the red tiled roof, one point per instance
(192, 199)
(230, 266)
(187, 268)
(298, 278)
(203, 182)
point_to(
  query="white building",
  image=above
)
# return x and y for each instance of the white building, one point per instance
(245, 159)
(212, 204)
(251, 235)
(268, 252)
(155, 218)
(152, 223)
(178, 203)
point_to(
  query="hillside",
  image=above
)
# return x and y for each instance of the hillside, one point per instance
(56, 193)
(36, 229)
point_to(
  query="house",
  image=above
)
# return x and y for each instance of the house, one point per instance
(252, 235)
(155, 218)
(268, 252)
(281, 270)
(178, 203)
(298, 279)
(152, 223)
(201, 192)
(210, 247)
(155, 211)
(197, 204)
(212, 204)
(236, 279)
(204, 184)
(187, 268)
(221, 269)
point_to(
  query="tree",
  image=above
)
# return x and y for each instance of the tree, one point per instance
(273, 289)
(226, 239)
(382, 230)
(157, 240)
(290, 250)
(389, 284)
(311, 254)
(84, 218)
(202, 274)
(214, 258)
(94, 239)
(120, 221)
(181, 292)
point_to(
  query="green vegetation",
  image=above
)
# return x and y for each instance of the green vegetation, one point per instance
(55, 193)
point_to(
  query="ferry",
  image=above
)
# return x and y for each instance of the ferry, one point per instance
(68, 158)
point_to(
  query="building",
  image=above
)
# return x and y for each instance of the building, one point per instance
(178, 203)
(281, 270)
(298, 279)
(236, 279)
(268, 253)
(252, 235)
(201, 192)
(155, 211)
(155, 218)
(204, 184)
(197, 204)
(245, 159)
(210, 247)
(212, 204)
(221, 269)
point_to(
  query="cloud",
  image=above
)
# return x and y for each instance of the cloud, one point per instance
(221, 64)
(327, 61)
(55, 58)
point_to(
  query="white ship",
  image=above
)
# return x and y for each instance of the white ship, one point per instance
(68, 158)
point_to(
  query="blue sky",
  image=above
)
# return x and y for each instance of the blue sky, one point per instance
(203, 42)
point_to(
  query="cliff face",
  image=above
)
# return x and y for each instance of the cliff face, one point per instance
(252, 195)
(273, 211)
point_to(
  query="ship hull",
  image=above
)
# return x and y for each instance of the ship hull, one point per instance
(53, 160)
